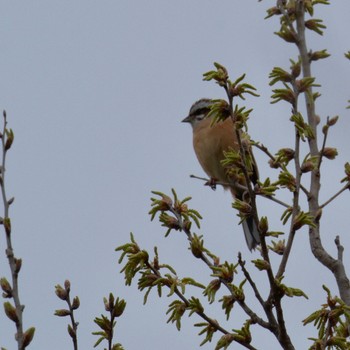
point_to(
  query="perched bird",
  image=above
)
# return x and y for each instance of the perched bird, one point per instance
(209, 143)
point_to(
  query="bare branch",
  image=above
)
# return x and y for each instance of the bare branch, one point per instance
(346, 187)
(23, 338)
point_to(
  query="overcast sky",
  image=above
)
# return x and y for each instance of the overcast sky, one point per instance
(95, 92)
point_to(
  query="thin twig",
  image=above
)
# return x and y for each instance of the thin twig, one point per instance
(243, 188)
(249, 279)
(346, 187)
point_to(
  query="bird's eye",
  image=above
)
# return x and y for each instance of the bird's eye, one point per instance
(200, 113)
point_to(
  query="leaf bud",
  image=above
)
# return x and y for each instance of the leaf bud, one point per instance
(165, 203)
(9, 140)
(109, 303)
(61, 293)
(296, 69)
(244, 208)
(28, 336)
(261, 264)
(18, 265)
(332, 121)
(62, 313)
(287, 35)
(10, 312)
(318, 55)
(75, 303)
(7, 225)
(6, 287)
(273, 11)
(278, 247)
(263, 225)
(215, 284)
(119, 307)
(307, 166)
(71, 332)
(289, 153)
(329, 152)
(196, 249)
(67, 285)
(169, 221)
(325, 129)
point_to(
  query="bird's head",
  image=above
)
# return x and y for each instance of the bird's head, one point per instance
(198, 111)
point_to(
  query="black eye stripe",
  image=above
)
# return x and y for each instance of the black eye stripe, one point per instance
(201, 111)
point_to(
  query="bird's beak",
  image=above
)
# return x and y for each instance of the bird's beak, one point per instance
(187, 119)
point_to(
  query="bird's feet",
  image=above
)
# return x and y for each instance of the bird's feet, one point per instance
(212, 183)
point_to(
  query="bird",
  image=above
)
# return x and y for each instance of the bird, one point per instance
(210, 141)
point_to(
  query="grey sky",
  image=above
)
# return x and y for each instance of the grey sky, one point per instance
(95, 91)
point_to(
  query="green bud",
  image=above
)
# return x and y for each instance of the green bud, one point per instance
(261, 264)
(263, 225)
(62, 313)
(295, 68)
(325, 129)
(75, 303)
(67, 286)
(197, 247)
(119, 307)
(287, 35)
(278, 247)
(9, 139)
(6, 287)
(315, 25)
(71, 332)
(318, 55)
(7, 225)
(28, 336)
(10, 312)
(61, 293)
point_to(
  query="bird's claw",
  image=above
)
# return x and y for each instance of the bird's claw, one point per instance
(212, 183)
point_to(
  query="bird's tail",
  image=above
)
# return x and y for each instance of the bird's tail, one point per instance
(251, 233)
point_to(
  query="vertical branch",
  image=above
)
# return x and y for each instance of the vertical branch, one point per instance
(335, 265)
(6, 141)
(14, 313)
(296, 193)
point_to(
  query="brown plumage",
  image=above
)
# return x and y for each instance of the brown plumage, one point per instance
(209, 143)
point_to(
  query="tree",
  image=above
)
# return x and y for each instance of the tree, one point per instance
(299, 172)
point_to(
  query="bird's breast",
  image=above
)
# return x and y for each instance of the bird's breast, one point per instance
(210, 142)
